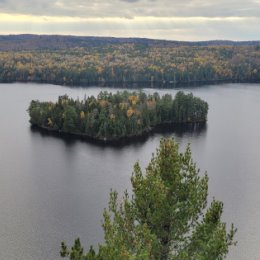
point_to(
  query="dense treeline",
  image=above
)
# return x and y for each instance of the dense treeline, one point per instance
(113, 116)
(85, 61)
(29, 42)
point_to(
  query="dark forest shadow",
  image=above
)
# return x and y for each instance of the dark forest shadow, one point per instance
(195, 129)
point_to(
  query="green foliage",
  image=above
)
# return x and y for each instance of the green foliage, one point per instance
(167, 217)
(70, 119)
(114, 116)
(128, 62)
(189, 108)
(124, 237)
(77, 252)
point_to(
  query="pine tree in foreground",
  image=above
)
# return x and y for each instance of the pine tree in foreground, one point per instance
(166, 218)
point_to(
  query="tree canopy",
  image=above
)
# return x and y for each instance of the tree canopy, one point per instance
(113, 116)
(165, 218)
(82, 62)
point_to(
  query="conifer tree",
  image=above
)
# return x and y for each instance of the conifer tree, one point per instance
(167, 217)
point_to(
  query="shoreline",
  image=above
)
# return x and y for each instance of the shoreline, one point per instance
(163, 127)
(142, 84)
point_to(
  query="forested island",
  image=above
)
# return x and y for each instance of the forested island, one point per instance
(84, 61)
(115, 116)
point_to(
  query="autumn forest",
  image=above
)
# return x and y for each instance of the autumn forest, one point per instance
(114, 116)
(83, 61)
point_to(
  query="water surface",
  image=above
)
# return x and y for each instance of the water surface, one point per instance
(54, 189)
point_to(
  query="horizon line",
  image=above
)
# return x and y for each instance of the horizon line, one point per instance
(124, 37)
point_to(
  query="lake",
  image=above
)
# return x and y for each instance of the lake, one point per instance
(54, 189)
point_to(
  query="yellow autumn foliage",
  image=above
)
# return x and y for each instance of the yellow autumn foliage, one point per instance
(103, 102)
(82, 115)
(50, 123)
(50, 106)
(130, 112)
(99, 69)
(133, 99)
(112, 117)
(123, 105)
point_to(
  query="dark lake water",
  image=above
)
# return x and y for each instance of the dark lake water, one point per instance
(52, 189)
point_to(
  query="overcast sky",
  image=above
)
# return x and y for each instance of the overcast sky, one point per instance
(161, 19)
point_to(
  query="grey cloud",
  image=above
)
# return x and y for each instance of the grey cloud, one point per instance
(130, 1)
(186, 29)
(245, 29)
(132, 8)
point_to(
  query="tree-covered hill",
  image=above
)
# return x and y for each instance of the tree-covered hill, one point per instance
(75, 60)
(27, 42)
(111, 117)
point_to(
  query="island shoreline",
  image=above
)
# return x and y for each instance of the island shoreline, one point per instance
(140, 84)
(168, 127)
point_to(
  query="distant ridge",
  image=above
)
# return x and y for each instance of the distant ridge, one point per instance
(26, 42)
(85, 61)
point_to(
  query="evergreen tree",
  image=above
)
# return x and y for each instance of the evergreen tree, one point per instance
(70, 119)
(111, 117)
(167, 216)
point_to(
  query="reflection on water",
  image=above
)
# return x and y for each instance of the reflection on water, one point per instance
(193, 129)
(54, 189)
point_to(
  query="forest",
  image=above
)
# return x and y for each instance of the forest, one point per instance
(114, 116)
(84, 61)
